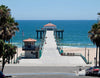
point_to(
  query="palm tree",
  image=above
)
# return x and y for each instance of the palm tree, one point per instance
(98, 13)
(94, 35)
(1, 47)
(8, 26)
(7, 52)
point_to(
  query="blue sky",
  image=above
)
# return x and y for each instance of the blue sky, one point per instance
(53, 9)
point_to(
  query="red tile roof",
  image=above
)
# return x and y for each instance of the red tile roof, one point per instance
(29, 40)
(49, 24)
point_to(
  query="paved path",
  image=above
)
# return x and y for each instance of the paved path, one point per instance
(51, 56)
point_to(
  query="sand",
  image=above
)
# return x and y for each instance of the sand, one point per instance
(92, 52)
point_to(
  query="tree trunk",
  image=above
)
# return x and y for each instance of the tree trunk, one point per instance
(9, 60)
(4, 34)
(99, 56)
(96, 55)
(3, 64)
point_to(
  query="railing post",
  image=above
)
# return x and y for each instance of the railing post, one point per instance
(37, 34)
(40, 35)
(62, 35)
(59, 35)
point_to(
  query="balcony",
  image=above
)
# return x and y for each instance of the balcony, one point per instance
(34, 48)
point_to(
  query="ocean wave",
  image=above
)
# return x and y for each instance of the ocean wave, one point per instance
(75, 44)
(16, 43)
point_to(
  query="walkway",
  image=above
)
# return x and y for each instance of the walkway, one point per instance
(51, 56)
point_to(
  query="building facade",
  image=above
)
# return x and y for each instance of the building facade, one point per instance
(31, 50)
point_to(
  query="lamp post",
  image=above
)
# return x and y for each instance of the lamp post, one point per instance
(88, 56)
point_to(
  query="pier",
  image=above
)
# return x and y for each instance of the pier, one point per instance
(40, 33)
(58, 33)
(51, 56)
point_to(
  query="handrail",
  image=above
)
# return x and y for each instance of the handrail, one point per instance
(85, 59)
(73, 54)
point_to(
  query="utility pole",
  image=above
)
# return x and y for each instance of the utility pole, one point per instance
(88, 56)
(85, 52)
(17, 55)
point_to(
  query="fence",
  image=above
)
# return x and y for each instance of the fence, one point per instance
(73, 54)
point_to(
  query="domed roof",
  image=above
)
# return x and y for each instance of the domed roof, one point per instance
(49, 24)
(29, 40)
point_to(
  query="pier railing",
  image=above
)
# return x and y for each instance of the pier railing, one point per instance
(60, 50)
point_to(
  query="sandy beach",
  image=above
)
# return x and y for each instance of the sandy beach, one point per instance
(92, 52)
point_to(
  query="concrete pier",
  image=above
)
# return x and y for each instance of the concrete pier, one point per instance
(51, 57)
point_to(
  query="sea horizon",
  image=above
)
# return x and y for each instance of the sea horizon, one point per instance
(55, 20)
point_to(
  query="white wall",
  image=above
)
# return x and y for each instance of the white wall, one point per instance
(28, 54)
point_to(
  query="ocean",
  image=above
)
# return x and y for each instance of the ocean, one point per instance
(75, 31)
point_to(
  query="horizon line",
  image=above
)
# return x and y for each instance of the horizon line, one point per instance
(49, 20)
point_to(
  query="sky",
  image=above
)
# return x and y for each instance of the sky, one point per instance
(53, 9)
